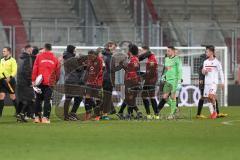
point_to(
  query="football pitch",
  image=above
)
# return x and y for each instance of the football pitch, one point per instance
(183, 139)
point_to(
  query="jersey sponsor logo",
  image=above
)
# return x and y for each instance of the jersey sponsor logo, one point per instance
(135, 64)
(47, 61)
(211, 66)
(209, 69)
(151, 64)
(168, 68)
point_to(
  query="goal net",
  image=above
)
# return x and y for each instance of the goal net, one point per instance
(188, 95)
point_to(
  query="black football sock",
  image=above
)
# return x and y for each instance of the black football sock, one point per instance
(23, 107)
(76, 104)
(154, 105)
(177, 101)
(123, 106)
(161, 104)
(88, 106)
(66, 106)
(47, 108)
(1, 107)
(146, 105)
(97, 108)
(200, 106)
(135, 108)
(15, 105)
(217, 108)
(130, 110)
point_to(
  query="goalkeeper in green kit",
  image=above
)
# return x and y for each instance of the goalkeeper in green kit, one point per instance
(172, 76)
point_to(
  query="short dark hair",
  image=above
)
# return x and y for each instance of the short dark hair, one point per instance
(133, 49)
(8, 48)
(111, 43)
(211, 48)
(70, 48)
(171, 47)
(99, 50)
(35, 50)
(146, 47)
(92, 52)
(27, 46)
(48, 46)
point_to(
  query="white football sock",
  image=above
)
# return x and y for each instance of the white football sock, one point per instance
(211, 109)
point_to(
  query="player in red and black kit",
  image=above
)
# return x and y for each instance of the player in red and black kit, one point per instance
(150, 77)
(94, 80)
(132, 80)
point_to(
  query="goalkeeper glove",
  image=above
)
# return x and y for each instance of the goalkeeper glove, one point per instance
(163, 79)
(179, 86)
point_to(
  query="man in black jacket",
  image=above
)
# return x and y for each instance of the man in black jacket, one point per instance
(73, 80)
(108, 79)
(25, 91)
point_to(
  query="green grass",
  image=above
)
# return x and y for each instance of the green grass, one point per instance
(187, 139)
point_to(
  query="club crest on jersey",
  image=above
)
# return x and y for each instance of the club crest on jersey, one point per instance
(135, 64)
(151, 63)
(91, 68)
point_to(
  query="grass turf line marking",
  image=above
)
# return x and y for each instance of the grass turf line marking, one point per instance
(230, 123)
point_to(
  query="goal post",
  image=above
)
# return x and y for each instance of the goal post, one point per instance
(190, 93)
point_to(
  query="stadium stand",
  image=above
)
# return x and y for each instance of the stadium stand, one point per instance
(9, 8)
(117, 16)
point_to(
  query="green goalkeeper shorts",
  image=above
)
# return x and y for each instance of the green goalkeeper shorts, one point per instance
(170, 87)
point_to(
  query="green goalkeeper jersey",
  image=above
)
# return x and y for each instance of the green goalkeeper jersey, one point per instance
(173, 69)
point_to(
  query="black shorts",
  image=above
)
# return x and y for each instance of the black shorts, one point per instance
(74, 90)
(5, 87)
(131, 93)
(202, 91)
(94, 91)
(148, 91)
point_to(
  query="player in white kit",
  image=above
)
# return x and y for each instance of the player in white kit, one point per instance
(212, 68)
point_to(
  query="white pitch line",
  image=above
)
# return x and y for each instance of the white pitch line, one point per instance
(230, 123)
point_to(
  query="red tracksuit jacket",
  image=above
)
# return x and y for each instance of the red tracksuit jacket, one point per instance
(94, 75)
(48, 65)
(151, 70)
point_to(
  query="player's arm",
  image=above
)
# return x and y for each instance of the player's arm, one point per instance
(58, 69)
(220, 71)
(35, 69)
(200, 74)
(100, 66)
(162, 77)
(144, 56)
(204, 71)
(124, 64)
(115, 68)
(14, 67)
(1, 71)
(179, 70)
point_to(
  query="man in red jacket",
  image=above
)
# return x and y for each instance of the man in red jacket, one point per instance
(94, 81)
(47, 65)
